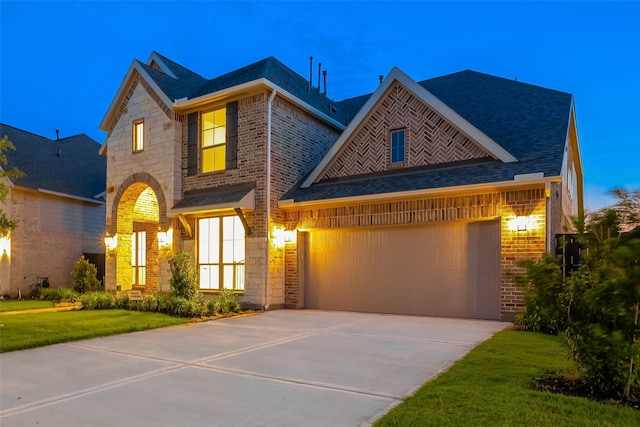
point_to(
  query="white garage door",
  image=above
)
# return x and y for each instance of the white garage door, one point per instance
(438, 270)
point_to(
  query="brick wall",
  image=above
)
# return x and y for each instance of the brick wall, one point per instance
(515, 246)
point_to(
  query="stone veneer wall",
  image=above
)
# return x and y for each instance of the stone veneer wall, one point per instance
(159, 163)
(505, 205)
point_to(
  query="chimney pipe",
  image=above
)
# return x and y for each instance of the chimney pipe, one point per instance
(324, 75)
(310, 85)
(319, 69)
(57, 134)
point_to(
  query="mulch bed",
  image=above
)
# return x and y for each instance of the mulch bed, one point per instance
(582, 388)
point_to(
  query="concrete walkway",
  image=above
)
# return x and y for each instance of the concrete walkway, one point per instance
(280, 368)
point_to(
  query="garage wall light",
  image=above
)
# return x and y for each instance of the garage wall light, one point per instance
(5, 245)
(280, 236)
(521, 223)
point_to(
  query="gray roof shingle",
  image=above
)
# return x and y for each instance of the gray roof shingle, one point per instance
(69, 165)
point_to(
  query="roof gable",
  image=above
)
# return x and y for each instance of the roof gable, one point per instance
(430, 138)
(69, 166)
(491, 147)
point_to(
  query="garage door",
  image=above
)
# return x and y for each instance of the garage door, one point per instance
(438, 270)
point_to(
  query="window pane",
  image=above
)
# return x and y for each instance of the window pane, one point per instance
(228, 276)
(203, 241)
(205, 277)
(207, 120)
(207, 138)
(142, 248)
(238, 228)
(219, 135)
(227, 251)
(219, 157)
(227, 227)
(133, 249)
(142, 275)
(221, 117)
(207, 160)
(238, 251)
(239, 277)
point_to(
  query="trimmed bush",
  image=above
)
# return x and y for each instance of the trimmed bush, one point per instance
(84, 277)
(183, 276)
(59, 295)
(227, 302)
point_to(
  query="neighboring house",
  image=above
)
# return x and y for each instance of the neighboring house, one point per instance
(420, 198)
(59, 208)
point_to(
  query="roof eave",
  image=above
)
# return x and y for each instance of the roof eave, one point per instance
(190, 104)
(126, 81)
(462, 189)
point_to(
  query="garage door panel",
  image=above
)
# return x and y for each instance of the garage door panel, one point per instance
(442, 270)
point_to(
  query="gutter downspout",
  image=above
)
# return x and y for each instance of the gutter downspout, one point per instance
(268, 208)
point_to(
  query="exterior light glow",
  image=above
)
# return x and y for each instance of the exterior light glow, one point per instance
(111, 242)
(521, 223)
(280, 236)
(5, 245)
(165, 238)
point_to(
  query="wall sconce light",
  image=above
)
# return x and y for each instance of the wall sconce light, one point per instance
(111, 242)
(5, 245)
(165, 238)
(521, 223)
(281, 236)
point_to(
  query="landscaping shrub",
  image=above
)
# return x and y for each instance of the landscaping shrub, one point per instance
(211, 307)
(84, 277)
(183, 276)
(597, 307)
(59, 295)
(150, 303)
(122, 302)
(227, 302)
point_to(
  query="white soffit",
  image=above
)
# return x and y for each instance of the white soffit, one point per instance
(396, 74)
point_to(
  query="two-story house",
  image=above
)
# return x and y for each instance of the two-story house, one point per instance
(419, 198)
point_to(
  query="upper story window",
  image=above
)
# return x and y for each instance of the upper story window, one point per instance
(213, 141)
(397, 146)
(138, 136)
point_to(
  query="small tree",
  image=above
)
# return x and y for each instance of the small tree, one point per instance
(6, 224)
(183, 276)
(84, 276)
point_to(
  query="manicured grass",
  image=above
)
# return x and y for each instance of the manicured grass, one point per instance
(22, 331)
(491, 387)
(25, 304)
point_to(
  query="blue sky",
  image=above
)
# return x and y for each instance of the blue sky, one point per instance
(62, 62)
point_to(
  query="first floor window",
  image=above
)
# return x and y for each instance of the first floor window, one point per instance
(397, 146)
(221, 253)
(139, 257)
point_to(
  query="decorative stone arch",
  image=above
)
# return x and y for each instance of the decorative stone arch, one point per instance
(142, 178)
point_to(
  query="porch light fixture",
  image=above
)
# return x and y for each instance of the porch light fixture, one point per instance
(165, 238)
(523, 223)
(281, 236)
(5, 245)
(111, 242)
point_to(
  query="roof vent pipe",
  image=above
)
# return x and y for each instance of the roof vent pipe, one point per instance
(319, 69)
(310, 85)
(324, 76)
(381, 78)
(57, 134)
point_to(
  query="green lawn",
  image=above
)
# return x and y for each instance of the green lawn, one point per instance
(25, 304)
(490, 387)
(20, 331)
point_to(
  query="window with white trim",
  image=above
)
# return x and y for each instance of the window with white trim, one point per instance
(397, 146)
(221, 255)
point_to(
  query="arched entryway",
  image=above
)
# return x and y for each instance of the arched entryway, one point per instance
(138, 214)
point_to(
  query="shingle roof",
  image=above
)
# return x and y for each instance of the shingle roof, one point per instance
(191, 85)
(69, 165)
(528, 121)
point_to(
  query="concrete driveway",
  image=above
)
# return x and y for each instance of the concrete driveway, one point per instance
(280, 368)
